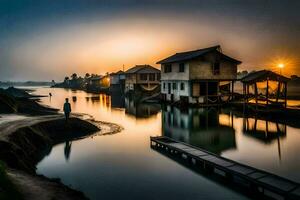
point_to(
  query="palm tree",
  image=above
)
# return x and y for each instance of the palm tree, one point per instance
(66, 79)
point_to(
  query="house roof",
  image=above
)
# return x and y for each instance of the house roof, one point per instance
(262, 76)
(142, 69)
(189, 55)
(117, 73)
(95, 78)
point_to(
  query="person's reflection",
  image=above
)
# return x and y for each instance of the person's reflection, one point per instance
(68, 149)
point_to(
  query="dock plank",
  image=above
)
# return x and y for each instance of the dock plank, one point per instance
(196, 152)
(179, 146)
(279, 183)
(217, 161)
(256, 175)
(241, 169)
(260, 178)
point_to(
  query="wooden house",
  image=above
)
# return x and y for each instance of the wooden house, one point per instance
(117, 82)
(142, 78)
(199, 76)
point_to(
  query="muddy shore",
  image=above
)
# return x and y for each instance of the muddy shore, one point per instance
(24, 143)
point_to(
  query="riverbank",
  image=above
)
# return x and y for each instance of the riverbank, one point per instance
(28, 131)
(24, 143)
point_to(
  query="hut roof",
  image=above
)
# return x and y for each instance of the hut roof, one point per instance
(264, 75)
(142, 69)
(189, 55)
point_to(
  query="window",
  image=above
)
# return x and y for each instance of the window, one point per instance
(143, 77)
(181, 67)
(174, 86)
(181, 86)
(158, 77)
(216, 68)
(164, 86)
(168, 68)
(151, 77)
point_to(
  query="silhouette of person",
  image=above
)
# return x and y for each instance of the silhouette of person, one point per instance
(67, 109)
(68, 149)
(50, 95)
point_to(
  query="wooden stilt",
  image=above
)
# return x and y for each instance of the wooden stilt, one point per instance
(285, 95)
(267, 92)
(278, 91)
(207, 93)
(256, 100)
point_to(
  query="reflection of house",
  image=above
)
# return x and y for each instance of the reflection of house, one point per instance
(140, 110)
(263, 130)
(199, 76)
(117, 101)
(142, 78)
(198, 127)
(117, 82)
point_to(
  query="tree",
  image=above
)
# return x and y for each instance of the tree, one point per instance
(87, 75)
(74, 76)
(66, 79)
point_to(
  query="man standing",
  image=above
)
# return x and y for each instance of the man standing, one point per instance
(67, 109)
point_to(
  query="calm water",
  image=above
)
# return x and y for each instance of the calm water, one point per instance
(124, 166)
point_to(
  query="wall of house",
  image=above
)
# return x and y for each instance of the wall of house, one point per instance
(131, 78)
(176, 92)
(175, 74)
(202, 68)
(139, 81)
(114, 79)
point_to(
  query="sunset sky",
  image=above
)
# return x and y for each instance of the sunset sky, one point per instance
(48, 39)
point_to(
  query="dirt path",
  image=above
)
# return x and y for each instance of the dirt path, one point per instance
(12, 123)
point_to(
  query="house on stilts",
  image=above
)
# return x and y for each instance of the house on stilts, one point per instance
(142, 79)
(203, 76)
(265, 88)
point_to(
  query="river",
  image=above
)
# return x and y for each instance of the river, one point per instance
(124, 166)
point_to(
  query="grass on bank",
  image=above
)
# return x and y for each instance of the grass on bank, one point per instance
(8, 190)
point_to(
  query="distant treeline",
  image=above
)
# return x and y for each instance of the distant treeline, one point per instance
(90, 82)
(26, 83)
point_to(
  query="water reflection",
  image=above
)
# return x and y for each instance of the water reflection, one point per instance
(67, 150)
(204, 128)
(263, 130)
(221, 131)
(140, 110)
(117, 101)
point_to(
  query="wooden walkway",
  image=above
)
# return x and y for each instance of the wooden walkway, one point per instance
(259, 181)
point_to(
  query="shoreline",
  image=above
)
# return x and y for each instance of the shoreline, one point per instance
(24, 143)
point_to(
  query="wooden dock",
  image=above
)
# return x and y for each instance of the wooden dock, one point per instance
(258, 181)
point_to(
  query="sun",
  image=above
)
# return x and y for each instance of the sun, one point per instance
(280, 65)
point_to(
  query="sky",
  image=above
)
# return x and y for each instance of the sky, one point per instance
(46, 40)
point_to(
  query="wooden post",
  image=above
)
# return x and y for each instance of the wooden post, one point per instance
(206, 92)
(278, 91)
(232, 90)
(244, 91)
(267, 92)
(247, 91)
(256, 100)
(285, 94)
